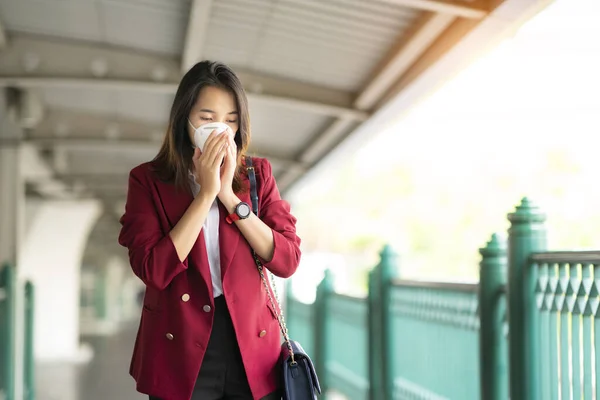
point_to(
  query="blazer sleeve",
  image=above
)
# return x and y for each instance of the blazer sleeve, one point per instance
(152, 254)
(276, 213)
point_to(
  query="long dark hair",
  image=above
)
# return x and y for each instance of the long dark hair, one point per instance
(174, 159)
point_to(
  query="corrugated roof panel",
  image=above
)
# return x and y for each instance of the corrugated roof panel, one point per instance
(311, 14)
(279, 130)
(319, 72)
(330, 43)
(229, 43)
(241, 11)
(234, 30)
(63, 19)
(145, 25)
(153, 25)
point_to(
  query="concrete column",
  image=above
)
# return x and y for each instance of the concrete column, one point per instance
(51, 258)
(12, 199)
(12, 186)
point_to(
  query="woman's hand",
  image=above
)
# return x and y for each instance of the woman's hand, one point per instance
(228, 169)
(208, 163)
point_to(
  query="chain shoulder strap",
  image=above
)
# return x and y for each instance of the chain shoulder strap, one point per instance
(275, 304)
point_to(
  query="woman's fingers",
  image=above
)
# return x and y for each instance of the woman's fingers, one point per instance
(217, 153)
(232, 149)
(210, 139)
(197, 154)
(214, 148)
(214, 162)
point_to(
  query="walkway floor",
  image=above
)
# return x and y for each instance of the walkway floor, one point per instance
(106, 377)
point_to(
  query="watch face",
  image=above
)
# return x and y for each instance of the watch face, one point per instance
(243, 210)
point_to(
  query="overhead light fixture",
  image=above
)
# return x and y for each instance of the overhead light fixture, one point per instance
(31, 61)
(113, 131)
(99, 67)
(31, 109)
(159, 73)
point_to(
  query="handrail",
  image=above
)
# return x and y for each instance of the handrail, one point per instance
(350, 296)
(458, 286)
(587, 257)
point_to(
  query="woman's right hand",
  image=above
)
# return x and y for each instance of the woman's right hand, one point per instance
(207, 164)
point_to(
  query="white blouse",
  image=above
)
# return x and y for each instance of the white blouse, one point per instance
(211, 238)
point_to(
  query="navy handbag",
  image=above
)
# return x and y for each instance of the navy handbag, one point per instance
(299, 380)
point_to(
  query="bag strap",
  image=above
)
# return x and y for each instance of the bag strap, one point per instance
(253, 192)
(261, 268)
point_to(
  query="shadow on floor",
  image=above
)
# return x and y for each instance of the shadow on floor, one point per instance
(106, 377)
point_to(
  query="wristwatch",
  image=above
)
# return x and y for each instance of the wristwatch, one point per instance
(241, 211)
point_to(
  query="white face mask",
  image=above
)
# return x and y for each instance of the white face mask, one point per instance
(202, 132)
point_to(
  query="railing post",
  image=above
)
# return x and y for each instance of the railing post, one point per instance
(380, 335)
(526, 235)
(374, 325)
(29, 367)
(8, 284)
(321, 310)
(287, 295)
(493, 357)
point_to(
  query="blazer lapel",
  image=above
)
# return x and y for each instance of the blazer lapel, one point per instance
(175, 202)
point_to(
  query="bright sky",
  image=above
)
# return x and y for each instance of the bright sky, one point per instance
(540, 87)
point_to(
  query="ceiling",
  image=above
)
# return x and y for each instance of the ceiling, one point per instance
(95, 78)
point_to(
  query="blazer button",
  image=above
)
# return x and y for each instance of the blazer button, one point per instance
(262, 333)
(185, 297)
(206, 308)
(170, 336)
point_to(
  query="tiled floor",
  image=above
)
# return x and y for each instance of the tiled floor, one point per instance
(106, 377)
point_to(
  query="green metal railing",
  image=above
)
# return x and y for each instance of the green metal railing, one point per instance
(441, 313)
(568, 332)
(346, 362)
(29, 362)
(532, 320)
(8, 353)
(300, 320)
(8, 284)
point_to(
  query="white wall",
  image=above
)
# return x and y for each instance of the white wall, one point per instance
(51, 257)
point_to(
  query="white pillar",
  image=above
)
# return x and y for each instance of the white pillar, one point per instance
(12, 199)
(51, 258)
(12, 186)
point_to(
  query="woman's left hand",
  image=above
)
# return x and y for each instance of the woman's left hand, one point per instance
(228, 169)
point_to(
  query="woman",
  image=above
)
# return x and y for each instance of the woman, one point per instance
(207, 330)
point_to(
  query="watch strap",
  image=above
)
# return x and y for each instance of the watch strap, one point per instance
(231, 218)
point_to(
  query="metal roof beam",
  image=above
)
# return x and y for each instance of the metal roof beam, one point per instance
(109, 145)
(2, 36)
(321, 145)
(42, 63)
(458, 8)
(196, 33)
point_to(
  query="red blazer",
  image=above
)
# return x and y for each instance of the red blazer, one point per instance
(177, 314)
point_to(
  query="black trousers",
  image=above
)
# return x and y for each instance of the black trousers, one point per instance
(222, 375)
